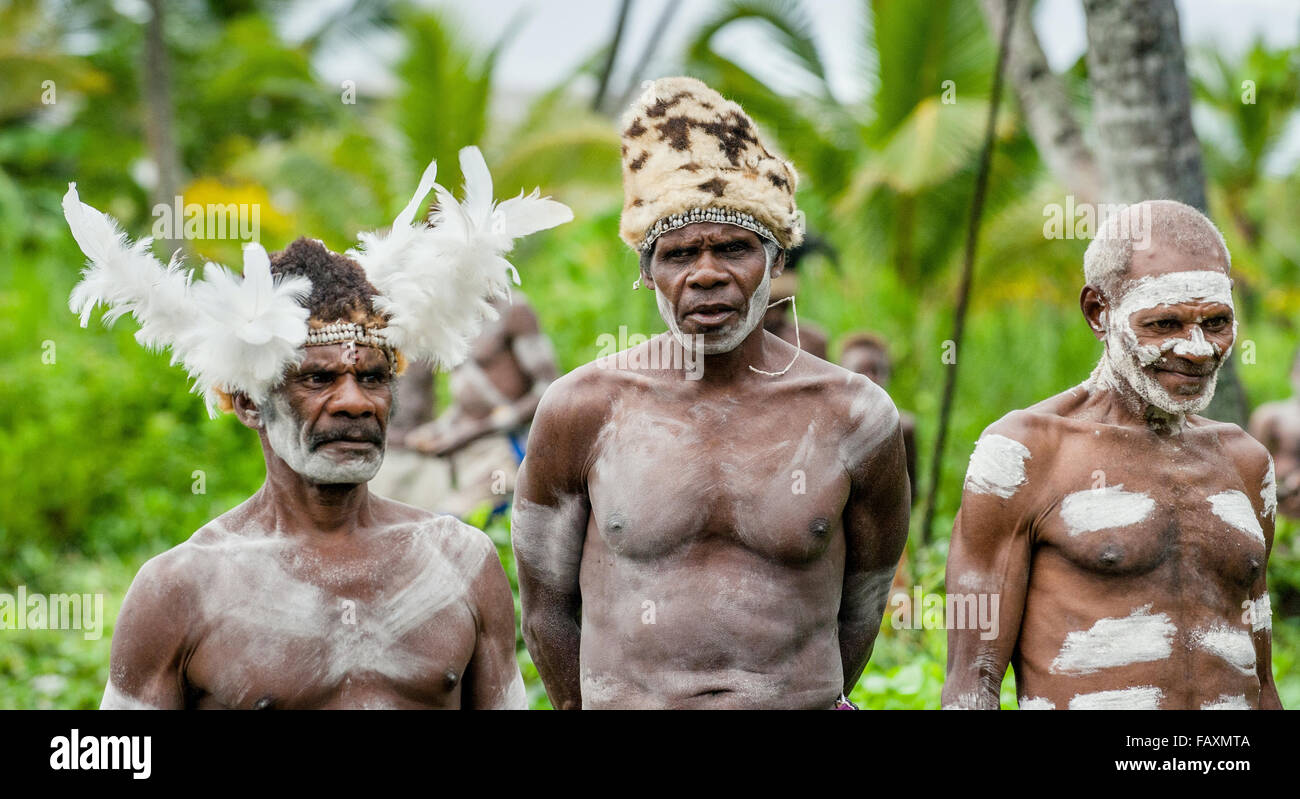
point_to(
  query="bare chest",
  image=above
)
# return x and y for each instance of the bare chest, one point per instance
(1121, 509)
(770, 480)
(281, 631)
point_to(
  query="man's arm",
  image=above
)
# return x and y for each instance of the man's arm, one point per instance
(492, 680)
(990, 554)
(548, 529)
(533, 352)
(875, 524)
(146, 665)
(1256, 467)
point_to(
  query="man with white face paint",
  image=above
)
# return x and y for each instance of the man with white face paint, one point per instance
(722, 534)
(316, 593)
(1125, 537)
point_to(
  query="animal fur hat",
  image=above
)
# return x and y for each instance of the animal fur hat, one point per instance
(689, 155)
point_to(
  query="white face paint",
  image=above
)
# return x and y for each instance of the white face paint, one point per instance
(1037, 703)
(997, 466)
(1227, 702)
(1139, 697)
(1104, 508)
(1234, 508)
(1232, 644)
(1138, 638)
(728, 338)
(1125, 361)
(288, 437)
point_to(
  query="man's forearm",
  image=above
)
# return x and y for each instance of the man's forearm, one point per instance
(553, 637)
(856, 643)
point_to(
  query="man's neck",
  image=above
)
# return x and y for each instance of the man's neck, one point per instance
(1113, 401)
(728, 368)
(294, 505)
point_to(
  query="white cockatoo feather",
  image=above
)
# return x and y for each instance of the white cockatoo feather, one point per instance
(230, 333)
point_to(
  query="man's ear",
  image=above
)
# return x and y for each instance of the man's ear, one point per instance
(1094, 307)
(247, 411)
(778, 266)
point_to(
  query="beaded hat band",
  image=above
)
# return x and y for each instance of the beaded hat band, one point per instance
(694, 215)
(340, 332)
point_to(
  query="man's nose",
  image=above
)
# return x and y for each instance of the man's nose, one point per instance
(707, 272)
(350, 400)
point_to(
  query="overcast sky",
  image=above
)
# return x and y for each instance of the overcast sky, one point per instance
(554, 36)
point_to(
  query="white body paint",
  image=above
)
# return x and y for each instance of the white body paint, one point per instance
(1234, 508)
(1268, 493)
(997, 466)
(1104, 508)
(1232, 644)
(548, 541)
(258, 592)
(117, 700)
(1227, 702)
(1139, 697)
(1037, 703)
(1140, 637)
(1263, 614)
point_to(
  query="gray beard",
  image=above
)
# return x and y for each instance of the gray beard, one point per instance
(1122, 369)
(288, 439)
(723, 340)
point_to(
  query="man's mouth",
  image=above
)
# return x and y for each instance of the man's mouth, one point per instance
(351, 442)
(711, 315)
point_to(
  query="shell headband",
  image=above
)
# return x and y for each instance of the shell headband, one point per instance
(435, 284)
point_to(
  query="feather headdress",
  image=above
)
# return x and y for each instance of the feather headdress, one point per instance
(232, 334)
(436, 281)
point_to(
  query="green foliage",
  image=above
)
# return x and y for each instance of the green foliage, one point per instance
(102, 444)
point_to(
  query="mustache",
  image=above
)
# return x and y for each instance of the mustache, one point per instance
(360, 432)
(1202, 369)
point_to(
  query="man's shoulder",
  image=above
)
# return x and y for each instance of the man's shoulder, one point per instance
(1250, 456)
(450, 537)
(173, 577)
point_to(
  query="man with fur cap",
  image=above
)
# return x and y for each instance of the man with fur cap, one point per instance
(723, 535)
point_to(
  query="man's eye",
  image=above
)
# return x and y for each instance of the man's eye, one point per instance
(1217, 323)
(1166, 324)
(319, 378)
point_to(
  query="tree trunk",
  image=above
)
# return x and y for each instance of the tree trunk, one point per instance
(1142, 110)
(158, 123)
(1049, 117)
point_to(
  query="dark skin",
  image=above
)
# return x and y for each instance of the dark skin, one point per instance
(1276, 425)
(1180, 561)
(498, 388)
(874, 364)
(667, 559)
(320, 595)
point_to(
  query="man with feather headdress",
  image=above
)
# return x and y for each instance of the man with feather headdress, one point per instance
(316, 593)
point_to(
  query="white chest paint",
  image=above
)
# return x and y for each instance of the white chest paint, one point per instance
(1232, 644)
(1139, 697)
(1234, 508)
(1104, 508)
(1140, 637)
